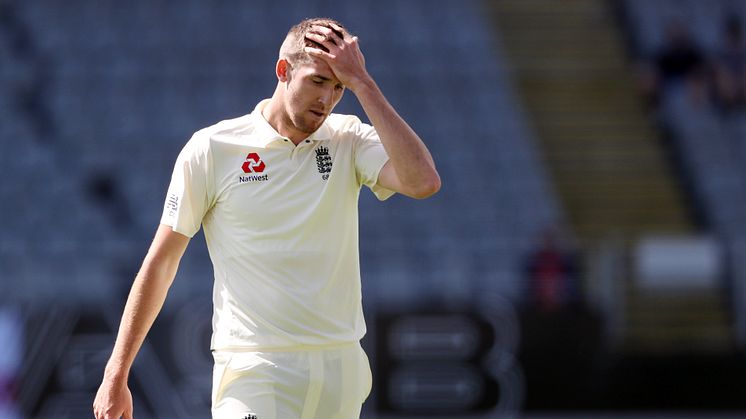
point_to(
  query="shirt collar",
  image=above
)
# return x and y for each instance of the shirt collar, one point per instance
(265, 134)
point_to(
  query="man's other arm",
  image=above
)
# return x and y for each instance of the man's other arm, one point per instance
(145, 300)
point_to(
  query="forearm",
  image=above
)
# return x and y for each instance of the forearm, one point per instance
(408, 154)
(145, 301)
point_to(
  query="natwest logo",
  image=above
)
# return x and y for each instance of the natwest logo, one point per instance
(253, 164)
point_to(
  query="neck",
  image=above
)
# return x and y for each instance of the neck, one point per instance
(278, 119)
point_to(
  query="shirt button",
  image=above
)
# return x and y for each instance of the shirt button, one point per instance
(286, 140)
(308, 141)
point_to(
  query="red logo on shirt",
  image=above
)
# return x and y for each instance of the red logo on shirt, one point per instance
(253, 164)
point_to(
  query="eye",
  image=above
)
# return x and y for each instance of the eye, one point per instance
(318, 81)
(339, 87)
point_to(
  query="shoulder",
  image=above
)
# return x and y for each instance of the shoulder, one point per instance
(226, 131)
(343, 126)
(339, 122)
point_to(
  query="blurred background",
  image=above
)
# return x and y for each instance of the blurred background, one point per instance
(584, 257)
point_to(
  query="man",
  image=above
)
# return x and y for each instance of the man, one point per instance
(276, 193)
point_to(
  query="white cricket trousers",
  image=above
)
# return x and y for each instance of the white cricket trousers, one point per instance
(329, 382)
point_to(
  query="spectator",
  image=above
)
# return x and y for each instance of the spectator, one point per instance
(674, 66)
(730, 67)
(553, 273)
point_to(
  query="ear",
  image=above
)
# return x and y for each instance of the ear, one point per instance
(282, 70)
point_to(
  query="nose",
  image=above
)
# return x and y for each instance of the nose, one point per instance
(326, 97)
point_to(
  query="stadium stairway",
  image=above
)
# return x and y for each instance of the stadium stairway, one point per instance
(607, 161)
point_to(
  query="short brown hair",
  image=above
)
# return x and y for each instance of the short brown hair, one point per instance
(292, 48)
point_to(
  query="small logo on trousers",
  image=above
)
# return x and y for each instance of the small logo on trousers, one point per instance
(250, 416)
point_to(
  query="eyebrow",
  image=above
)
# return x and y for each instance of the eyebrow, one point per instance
(324, 78)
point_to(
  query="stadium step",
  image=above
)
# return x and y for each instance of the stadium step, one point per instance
(570, 65)
(680, 323)
(609, 165)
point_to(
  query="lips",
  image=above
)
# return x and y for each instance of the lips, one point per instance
(318, 113)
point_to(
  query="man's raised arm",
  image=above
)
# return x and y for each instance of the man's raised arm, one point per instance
(410, 170)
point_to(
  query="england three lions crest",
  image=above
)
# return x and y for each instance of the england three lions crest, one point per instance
(323, 162)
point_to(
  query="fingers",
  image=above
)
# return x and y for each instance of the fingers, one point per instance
(322, 46)
(332, 34)
(110, 415)
(338, 29)
(319, 53)
(320, 39)
(329, 39)
(322, 42)
(111, 407)
(127, 414)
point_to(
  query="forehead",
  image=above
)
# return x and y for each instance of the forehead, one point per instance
(316, 67)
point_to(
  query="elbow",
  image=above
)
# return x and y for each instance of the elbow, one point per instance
(427, 188)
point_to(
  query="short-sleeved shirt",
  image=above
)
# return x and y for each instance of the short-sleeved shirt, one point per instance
(281, 225)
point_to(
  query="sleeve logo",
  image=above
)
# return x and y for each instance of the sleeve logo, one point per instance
(172, 204)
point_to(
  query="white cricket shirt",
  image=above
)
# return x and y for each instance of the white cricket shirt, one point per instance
(281, 225)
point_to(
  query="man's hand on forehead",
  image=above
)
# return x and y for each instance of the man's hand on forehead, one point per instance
(340, 50)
